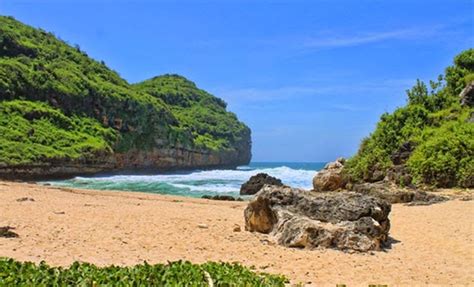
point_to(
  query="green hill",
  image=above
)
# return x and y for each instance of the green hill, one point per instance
(67, 113)
(430, 140)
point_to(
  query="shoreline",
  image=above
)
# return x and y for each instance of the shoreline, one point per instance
(63, 225)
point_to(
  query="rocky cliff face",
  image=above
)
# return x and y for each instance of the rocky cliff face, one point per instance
(158, 159)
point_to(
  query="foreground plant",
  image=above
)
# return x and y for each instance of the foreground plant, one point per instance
(179, 273)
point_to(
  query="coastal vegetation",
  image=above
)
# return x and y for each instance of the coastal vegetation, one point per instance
(435, 129)
(182, 273)
(92, 113)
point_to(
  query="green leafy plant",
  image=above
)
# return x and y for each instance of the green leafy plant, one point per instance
(435, 123)
(179, 273)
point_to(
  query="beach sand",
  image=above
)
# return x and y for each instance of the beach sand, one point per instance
(434, 244)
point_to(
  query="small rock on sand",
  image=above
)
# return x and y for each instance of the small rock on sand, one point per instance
(203, 226)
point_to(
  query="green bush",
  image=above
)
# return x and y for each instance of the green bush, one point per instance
(445, 155)
(197, 111)
(180, 273)
(33, 132)
(435, 123)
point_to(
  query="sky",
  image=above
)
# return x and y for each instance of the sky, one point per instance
(310, 78)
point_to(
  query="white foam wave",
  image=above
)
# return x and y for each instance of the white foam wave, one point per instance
(214, 181)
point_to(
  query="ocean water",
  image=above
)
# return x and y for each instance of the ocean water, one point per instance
(199, 182)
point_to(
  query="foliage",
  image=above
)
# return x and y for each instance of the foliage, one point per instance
(445, 155)
(180, 273)
(33, 132)
(38, 67)
(435, 122)
(197, 111)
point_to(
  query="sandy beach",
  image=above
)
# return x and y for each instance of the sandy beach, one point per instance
(434, 245)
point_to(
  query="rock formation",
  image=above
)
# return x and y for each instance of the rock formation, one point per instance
(392, 193)
(330, 177)
(304, 219)
(467, 95)
(222, 197)
(256, 182)
(5, 231)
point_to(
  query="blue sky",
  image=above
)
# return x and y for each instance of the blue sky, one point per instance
(310, 78)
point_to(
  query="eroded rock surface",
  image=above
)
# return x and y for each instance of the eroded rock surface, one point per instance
(330, 177)
(305, 219)
(256, 182)
(395, 194)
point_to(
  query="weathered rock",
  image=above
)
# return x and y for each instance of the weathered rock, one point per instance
(467, 95)
(22, 199)
(305, 219)
(330, 177)
(403, 153)
(5, 231)
(203, 226)
(399, 175)
(221, 197)
(256, 182)
(394, 194)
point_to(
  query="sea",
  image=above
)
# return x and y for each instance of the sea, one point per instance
(197, 183)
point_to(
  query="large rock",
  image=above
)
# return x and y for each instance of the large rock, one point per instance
(305, 219)
(330, 177)
(256, 182)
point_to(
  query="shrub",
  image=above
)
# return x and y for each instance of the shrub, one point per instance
(445, 155)
(437, 125)
(180, 273)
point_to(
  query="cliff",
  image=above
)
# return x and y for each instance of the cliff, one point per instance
(63, 113)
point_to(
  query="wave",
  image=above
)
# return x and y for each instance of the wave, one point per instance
(193, 184)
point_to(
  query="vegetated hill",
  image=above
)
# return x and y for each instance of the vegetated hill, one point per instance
(64, 113)
(430, 140)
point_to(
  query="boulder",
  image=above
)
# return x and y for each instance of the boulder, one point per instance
(330, 177)
(305, 219)
(256, 182)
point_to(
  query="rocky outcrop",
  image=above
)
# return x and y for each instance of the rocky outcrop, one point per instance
(467, 95)
(256, 182)
(399, 175)
(403, 153)
(330, 177)
(222, 197)
(304, 219)
(156, 159)
(394, 194)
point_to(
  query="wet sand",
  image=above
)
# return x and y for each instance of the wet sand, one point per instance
(433, 244)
